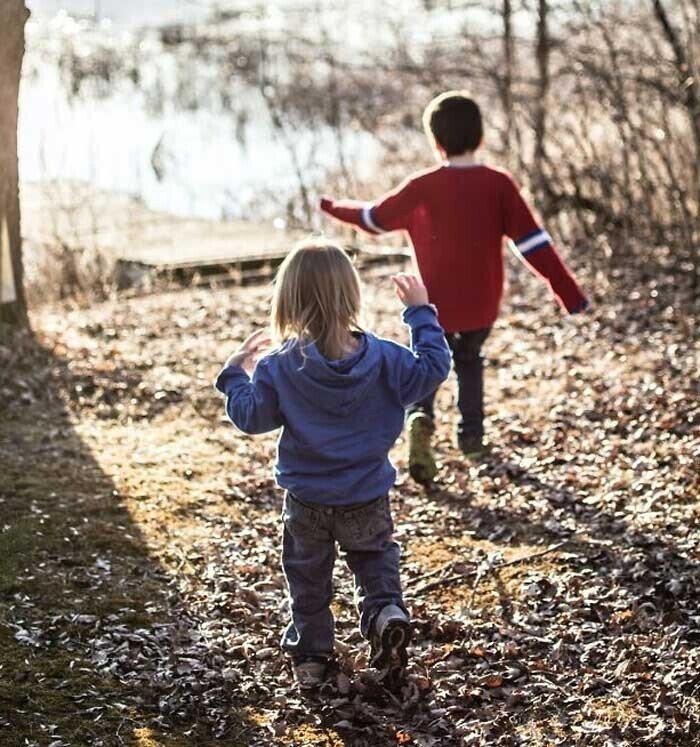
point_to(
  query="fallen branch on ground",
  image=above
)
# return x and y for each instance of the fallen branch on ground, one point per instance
(498, 566)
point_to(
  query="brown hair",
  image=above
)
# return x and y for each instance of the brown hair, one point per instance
(453, 121)
(317, 297)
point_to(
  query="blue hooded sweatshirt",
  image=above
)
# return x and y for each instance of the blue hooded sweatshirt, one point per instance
(338, 418)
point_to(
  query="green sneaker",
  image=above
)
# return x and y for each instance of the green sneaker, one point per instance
(421, 462)
(472, 445)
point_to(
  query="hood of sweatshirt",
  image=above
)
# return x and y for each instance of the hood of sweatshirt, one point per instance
(337, 387)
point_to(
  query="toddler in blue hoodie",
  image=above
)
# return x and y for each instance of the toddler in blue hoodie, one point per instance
(339, 395)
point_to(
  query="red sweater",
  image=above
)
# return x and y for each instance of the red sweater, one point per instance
(457, 217)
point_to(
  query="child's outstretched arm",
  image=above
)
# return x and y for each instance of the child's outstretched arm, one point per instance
(391, 212)
(251, 405)
(419, 371)
(535, 246)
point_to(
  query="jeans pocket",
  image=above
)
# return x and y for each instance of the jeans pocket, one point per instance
(300, 519)
(369, 520)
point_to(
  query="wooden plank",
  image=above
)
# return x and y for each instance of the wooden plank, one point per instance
(77, 216)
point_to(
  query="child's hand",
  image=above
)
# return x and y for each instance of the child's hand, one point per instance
(251, 350)
(409, 289)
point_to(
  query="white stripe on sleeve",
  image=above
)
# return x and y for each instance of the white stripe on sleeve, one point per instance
(541, 238)
(367, 219)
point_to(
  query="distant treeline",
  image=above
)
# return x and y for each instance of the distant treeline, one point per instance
(595, 106)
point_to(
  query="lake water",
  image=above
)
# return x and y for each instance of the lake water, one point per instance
(123, 12)
(205, 169)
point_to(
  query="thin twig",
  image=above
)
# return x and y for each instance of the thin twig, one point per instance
(437, 572)
(546, 551)
(463, 576)
(119, 728)
(440, 582)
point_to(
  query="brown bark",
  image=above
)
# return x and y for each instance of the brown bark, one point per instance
(13, 16)
(507, 90)
(542, 53)
(512, 136)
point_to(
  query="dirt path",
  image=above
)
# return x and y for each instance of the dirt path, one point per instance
(141, 593)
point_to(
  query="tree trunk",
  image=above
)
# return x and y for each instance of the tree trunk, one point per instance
(512, 137)
(507, 89)
(542, 52)
(13, 16)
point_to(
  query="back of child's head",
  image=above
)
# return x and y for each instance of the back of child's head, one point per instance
(453, 122)
(317, 297)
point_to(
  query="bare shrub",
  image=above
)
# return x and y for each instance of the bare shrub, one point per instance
(593, 105)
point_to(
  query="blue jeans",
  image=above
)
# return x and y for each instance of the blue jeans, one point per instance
(364, 533)
(469, 367)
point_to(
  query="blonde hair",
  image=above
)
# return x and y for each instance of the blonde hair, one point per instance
(317, 298)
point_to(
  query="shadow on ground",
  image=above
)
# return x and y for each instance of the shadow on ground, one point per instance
(95, 642)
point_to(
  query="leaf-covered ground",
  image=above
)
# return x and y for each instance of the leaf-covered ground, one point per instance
(555, 585)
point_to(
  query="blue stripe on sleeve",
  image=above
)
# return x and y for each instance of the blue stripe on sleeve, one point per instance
(541, 245)
(528, 236)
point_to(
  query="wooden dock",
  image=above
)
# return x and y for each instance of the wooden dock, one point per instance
(142, 241)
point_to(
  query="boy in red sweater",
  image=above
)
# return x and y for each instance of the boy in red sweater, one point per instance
(456, 215)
